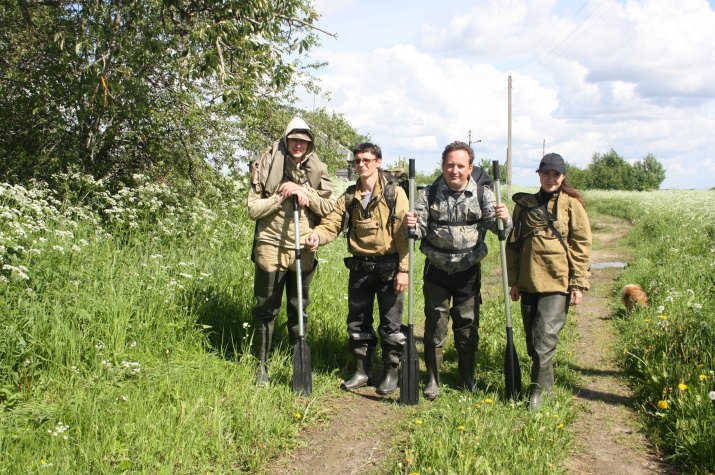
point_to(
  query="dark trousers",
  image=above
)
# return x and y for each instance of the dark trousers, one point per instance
(461, 289)
(268, 290)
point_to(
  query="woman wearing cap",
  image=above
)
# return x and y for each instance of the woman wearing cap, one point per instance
(548, 256)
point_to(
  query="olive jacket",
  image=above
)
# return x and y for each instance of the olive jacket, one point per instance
(537, 261)
(372, 232)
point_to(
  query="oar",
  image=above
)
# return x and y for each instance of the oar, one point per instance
(409, 361)
(512, 371)
(302, 381)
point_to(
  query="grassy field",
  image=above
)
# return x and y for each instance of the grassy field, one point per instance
(668, 347)
(125, 329)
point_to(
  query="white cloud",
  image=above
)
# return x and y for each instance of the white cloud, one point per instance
(635, 76)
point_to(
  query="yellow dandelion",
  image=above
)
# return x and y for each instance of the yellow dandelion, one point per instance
(461, 427)
(647, 319)
(556, 416)
(461, 456)
(701, 365)
(298, 416)
(663, 317)
(662, 404)
(476, 437)
(439, 442)
(418, 421)
(561, 426)
(42, 462)
(682, 386)
(488, 400)
(478, 406)
(702, 376)
(409, 460)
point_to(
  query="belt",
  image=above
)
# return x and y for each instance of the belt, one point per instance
(388, 257)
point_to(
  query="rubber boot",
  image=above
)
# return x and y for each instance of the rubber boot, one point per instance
(391, 351)
(362, 352)
(262, 341)
(433, 360)
(542, 383)
(466, 370)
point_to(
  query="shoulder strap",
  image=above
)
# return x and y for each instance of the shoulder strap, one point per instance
(544, 211)
(349, 195)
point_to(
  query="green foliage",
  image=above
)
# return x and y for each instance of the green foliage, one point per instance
(156, 85)
(610, 171)
(668, 347)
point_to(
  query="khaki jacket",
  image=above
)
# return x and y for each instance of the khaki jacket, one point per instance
(275, 219)
(541, 264)
(371, 233)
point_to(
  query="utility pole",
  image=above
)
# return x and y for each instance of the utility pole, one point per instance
(543, 148)
(470, 139)
(508, 150)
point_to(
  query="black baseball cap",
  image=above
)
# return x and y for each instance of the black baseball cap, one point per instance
(552, 161)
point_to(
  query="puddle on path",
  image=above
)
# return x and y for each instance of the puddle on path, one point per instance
(603, 265)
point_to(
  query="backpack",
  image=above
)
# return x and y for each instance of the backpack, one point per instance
(392, 178)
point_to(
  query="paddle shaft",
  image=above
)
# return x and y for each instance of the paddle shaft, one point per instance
(299, 276)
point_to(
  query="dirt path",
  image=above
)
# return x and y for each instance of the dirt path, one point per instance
(607, 438)
(353, 441)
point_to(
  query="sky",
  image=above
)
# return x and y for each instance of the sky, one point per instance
(587, 76)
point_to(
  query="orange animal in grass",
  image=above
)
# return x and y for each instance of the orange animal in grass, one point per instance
(632, 295)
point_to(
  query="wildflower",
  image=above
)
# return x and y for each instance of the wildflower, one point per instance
(661, 309)
(556, 416)
(663, 317)
(476, 437)
(439, 442)
(703, 377)
(662, 404)
(682, 386)
(246, 325)
(488, 400)
(461, 427)
(711, 395)
(297, 416)
(561, 426)
(418, 421)
(647, 320)
(478, 406)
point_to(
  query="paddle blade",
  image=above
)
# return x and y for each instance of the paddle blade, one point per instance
(512, 370)
(302, 379)
(410, 371)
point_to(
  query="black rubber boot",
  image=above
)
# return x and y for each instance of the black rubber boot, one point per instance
(433, 360)
(466, 370)
(542, 384)
(391, 351)
(389, 382)
(262, 341)
(362, 351)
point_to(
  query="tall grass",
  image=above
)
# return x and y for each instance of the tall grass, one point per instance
(668, 347)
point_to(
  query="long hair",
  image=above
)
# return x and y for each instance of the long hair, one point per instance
(566, 188)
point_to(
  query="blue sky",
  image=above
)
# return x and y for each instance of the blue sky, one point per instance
(587, 76)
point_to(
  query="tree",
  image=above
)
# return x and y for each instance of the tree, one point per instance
(648, 173)
(577, 178)
(118, 87)
(610, 172)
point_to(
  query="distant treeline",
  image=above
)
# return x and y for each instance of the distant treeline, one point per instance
(609, 171)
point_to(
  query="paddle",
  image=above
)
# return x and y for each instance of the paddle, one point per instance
(302, 380)
(512, 371)
(409, 360)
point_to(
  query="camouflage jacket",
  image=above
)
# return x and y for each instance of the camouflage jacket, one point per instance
(452, 229)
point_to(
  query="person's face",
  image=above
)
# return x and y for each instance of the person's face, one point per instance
(297, 149)
(551, 180)
(456, 169)
(366, 165)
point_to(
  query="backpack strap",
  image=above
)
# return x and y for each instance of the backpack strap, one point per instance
(544, 212)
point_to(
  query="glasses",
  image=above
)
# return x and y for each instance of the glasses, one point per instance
(366, 161)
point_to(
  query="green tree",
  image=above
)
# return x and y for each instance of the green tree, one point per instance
(151, 85)
(648, 174)
(577, 177)
(610, 171)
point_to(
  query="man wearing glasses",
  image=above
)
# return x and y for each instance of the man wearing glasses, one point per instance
(378, 267)
(288, 168)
